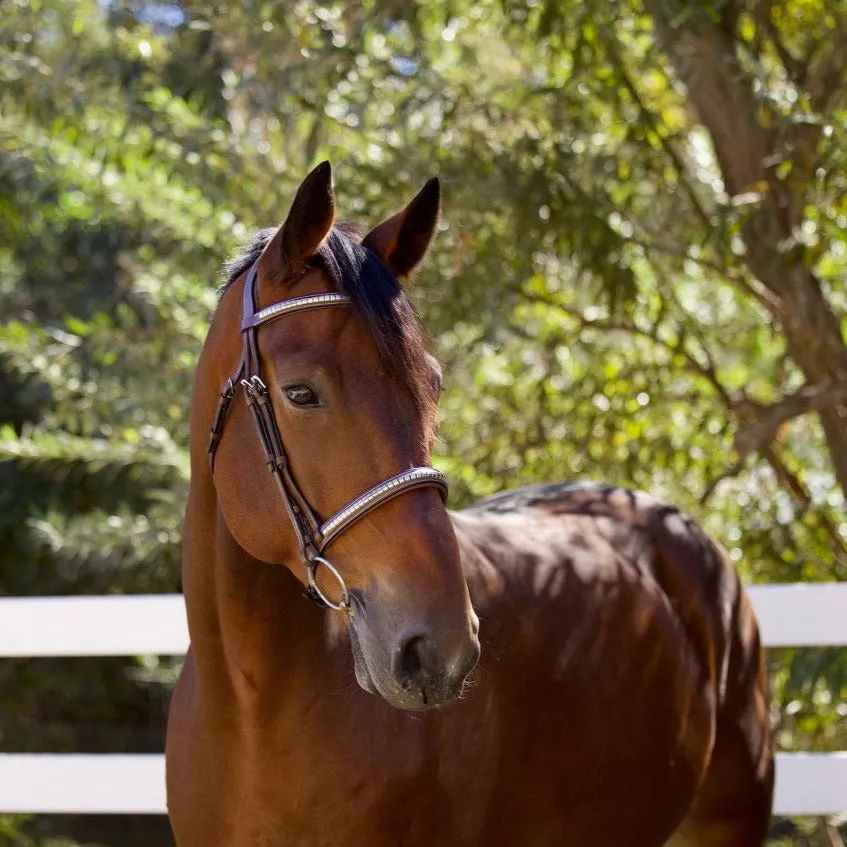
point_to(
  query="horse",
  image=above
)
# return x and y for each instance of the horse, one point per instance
(564, 664)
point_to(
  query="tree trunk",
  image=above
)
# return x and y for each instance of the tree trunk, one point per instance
(702, 52)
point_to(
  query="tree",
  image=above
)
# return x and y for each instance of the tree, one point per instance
(639, 275)
(768, 81)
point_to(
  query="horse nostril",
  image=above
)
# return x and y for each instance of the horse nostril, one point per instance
(409, 659)
(435, 668)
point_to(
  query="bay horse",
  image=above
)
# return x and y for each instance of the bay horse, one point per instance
(620, 695)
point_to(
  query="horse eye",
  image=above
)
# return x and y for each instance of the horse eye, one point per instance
(302, 395)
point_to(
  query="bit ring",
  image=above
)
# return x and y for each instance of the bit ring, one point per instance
(311, 569)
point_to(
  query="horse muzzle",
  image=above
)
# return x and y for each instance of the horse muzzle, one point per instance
(424, 668)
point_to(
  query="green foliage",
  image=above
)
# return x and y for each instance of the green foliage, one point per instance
(589, 293)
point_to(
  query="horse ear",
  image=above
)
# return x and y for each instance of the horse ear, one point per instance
(402, 240)
(308, 223)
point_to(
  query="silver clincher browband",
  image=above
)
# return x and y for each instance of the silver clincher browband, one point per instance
(313, 536)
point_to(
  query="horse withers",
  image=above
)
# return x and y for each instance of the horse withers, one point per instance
(620, 695)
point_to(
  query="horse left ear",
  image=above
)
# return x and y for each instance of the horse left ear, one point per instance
(402, 240)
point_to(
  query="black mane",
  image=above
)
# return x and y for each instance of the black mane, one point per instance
(374, 293)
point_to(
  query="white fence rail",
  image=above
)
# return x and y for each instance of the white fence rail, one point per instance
(789, 616)
(807, 784)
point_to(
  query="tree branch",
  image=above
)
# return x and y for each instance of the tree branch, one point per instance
(730, 473)
(706, 371)
(790, 481)
(812, 398)
(794, 67)
(718, 90)
(652, 122)
(829, 833)
(826, 79)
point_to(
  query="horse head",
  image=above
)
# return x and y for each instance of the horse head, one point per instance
(343, 398)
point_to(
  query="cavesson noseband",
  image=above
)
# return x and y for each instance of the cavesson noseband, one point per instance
(313, 536)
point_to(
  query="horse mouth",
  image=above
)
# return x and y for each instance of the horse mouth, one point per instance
(360, 665)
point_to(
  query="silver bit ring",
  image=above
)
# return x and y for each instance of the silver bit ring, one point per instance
(311, 569)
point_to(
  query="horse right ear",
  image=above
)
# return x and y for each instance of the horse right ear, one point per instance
(308, 223)
(401, 241)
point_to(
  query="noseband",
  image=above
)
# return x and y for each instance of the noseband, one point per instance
(313, 537)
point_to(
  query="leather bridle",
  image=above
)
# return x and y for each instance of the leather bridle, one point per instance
(313, 537)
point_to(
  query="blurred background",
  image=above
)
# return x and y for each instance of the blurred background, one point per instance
(640, 278)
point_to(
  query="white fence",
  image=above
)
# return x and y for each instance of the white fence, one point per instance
(789, 616)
